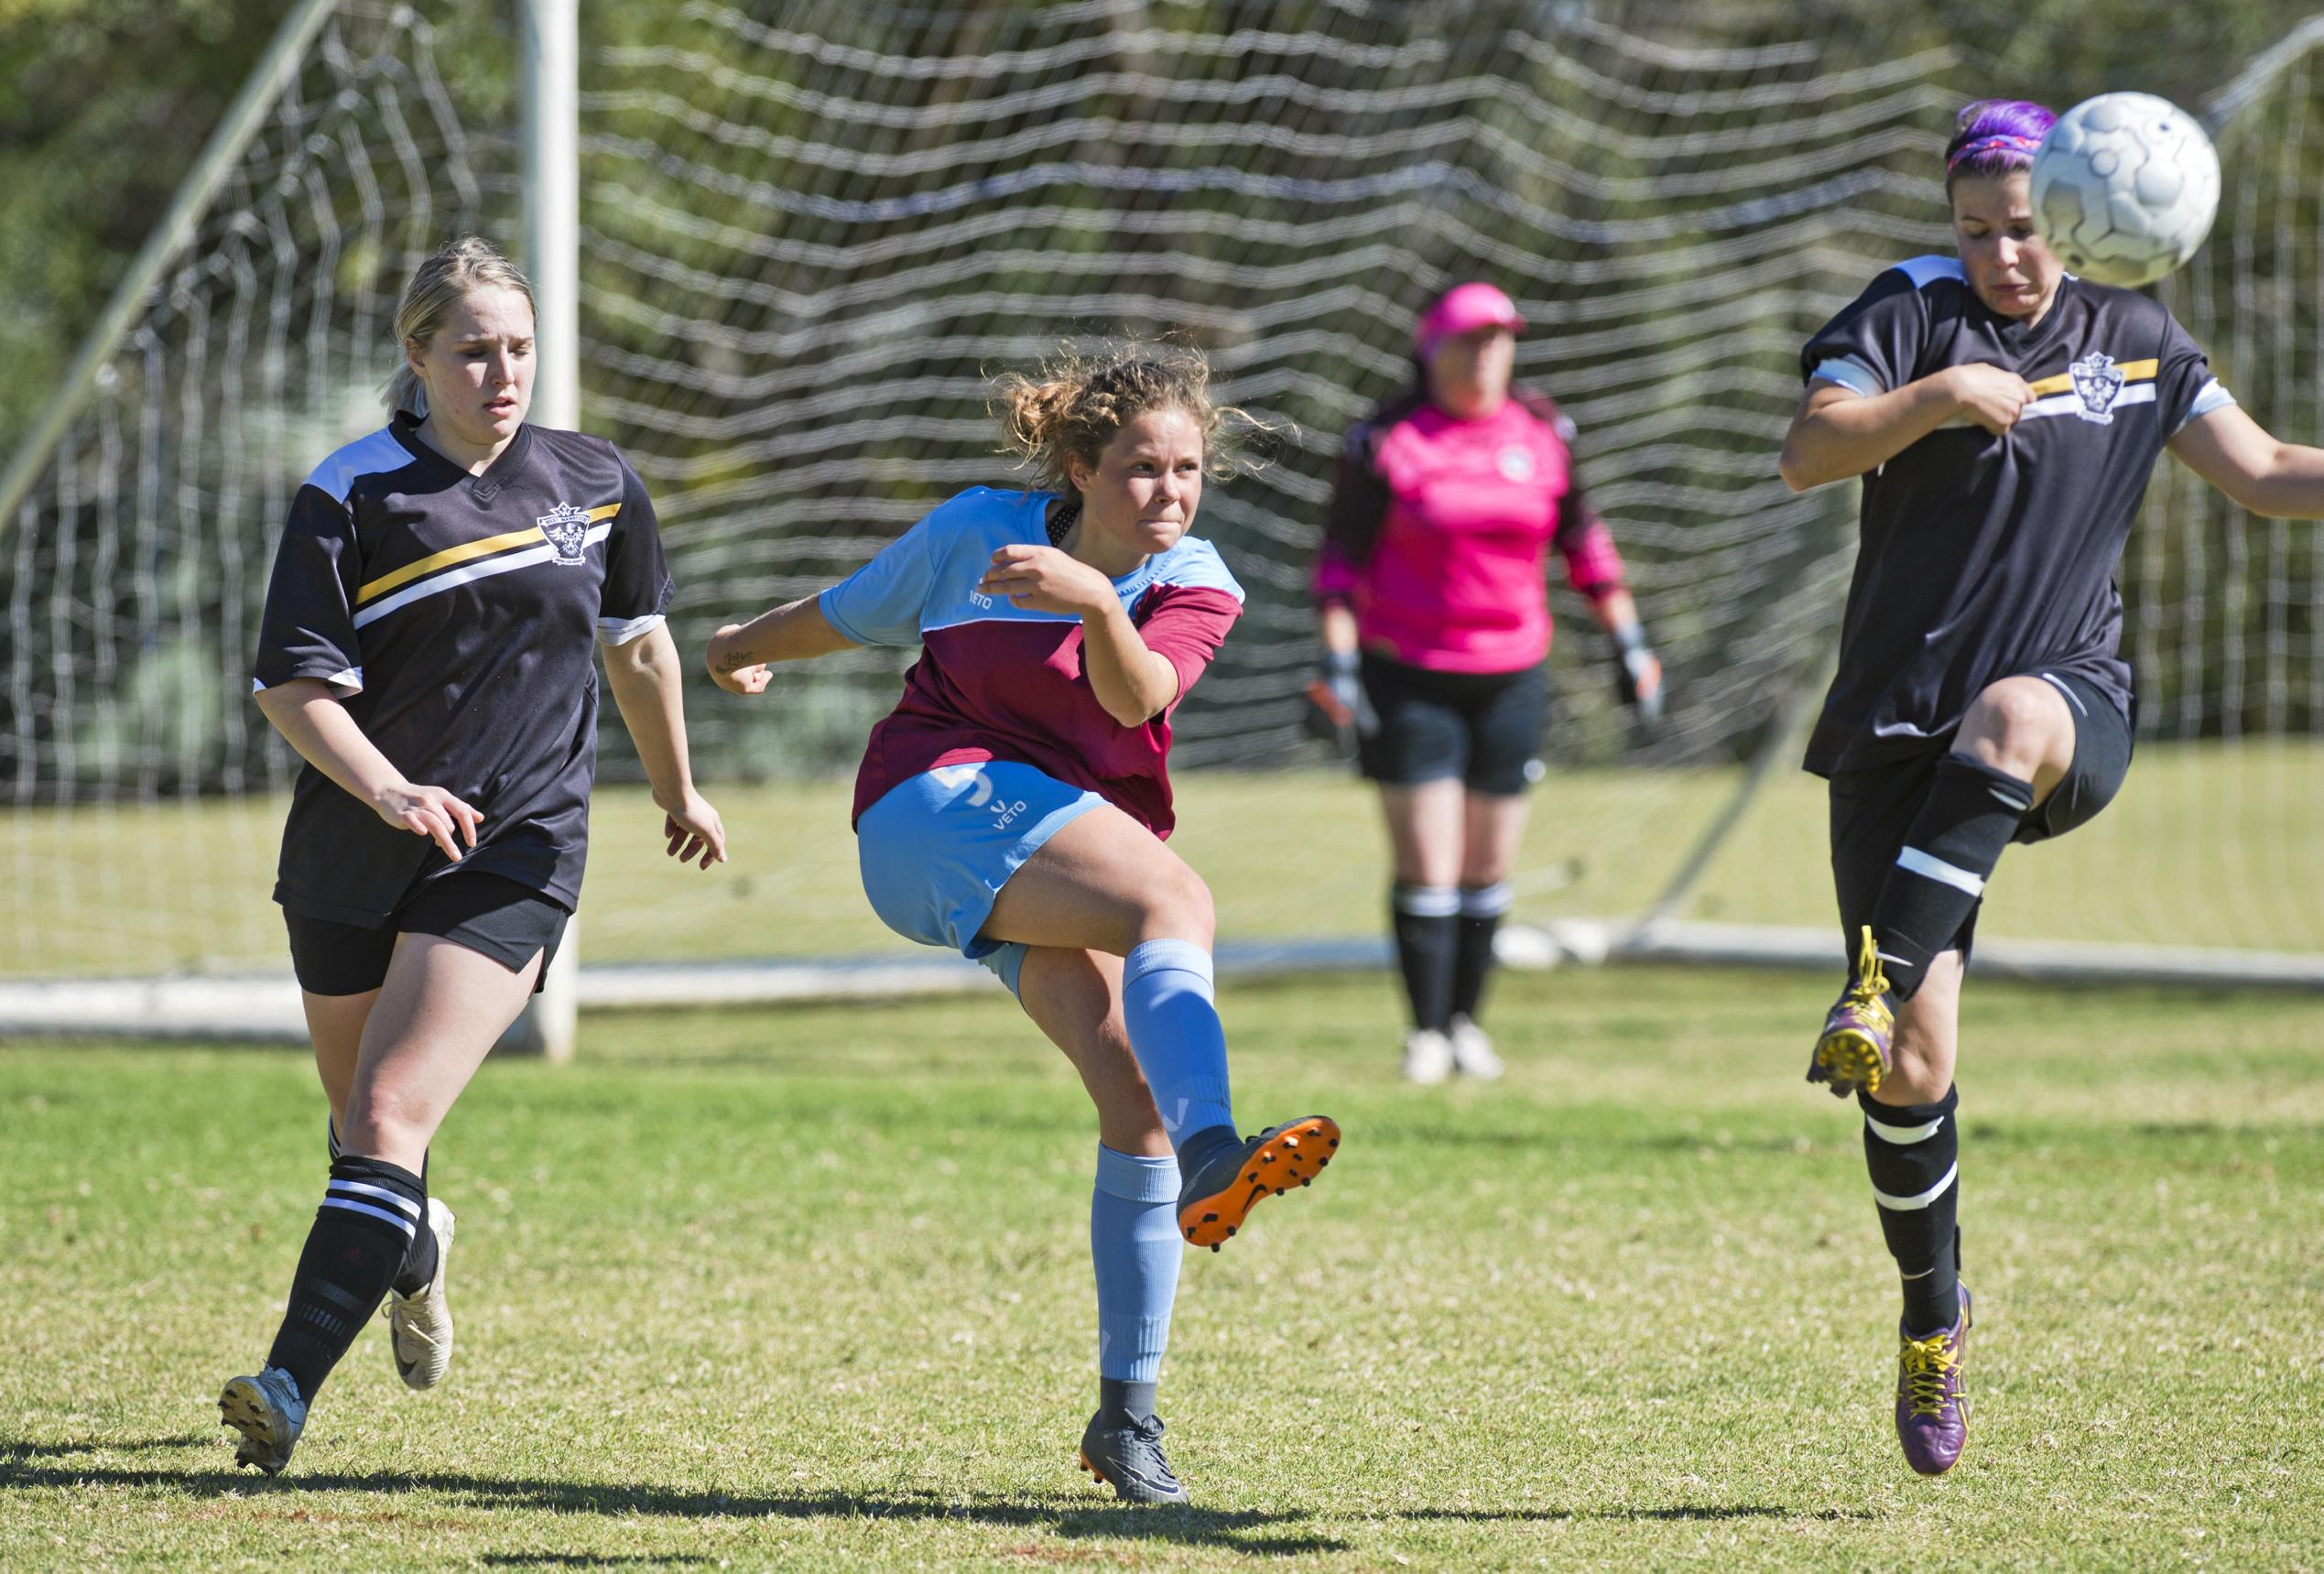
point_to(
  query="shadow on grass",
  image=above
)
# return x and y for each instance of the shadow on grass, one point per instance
(13, 1449)
(582, 1559)
(1239, 1530)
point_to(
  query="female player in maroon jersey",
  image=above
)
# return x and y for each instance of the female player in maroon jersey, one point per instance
(1013, 806)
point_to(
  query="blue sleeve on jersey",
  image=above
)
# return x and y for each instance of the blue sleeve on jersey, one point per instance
(1850, 374)
(1195, 563)
(884, 601)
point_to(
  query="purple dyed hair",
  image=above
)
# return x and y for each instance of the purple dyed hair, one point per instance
(1995, 137)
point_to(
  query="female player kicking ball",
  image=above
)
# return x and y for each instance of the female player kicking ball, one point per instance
(2006, 418)
(1435, 625)
(1014, 805)
(426, 647)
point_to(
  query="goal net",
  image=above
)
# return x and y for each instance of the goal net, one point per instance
(812, 231)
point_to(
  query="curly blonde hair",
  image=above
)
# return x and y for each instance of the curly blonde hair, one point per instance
(1079, 400)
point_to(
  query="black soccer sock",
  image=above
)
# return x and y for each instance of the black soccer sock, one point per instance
(1913, 1153)
(1428, 920)
(1971, 813)
(1481, 910)
(419, 1263)
(370, 1212)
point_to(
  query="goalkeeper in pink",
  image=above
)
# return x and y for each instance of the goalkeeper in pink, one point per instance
(1435, 626)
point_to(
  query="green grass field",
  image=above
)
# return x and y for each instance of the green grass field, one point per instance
(2208, 845)
(809, 1288)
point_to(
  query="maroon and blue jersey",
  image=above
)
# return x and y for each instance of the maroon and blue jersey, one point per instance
(1440, 529)
(997, 681)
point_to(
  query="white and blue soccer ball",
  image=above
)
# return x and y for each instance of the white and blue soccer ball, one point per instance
(2124, 188)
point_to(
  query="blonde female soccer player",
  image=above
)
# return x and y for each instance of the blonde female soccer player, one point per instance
(1014, 807)
(426, 649)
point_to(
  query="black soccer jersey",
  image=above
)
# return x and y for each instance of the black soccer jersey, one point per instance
(1984, 556)
(453, 614)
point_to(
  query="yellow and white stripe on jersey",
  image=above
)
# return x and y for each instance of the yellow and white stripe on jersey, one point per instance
(468, 562)
(2094, 388)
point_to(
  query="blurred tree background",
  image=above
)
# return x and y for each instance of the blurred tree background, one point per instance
(104, 103)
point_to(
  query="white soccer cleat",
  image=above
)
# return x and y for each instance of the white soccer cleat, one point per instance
(1472, 1053)
(420, 1327)
(1427, 1056)
(268, 1413)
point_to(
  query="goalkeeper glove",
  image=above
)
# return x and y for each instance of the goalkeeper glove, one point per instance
(1639, 675)
(1338, 711)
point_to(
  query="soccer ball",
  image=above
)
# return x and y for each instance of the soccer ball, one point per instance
(2124, 188)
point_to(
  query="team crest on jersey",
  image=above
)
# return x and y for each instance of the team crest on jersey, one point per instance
(2097, 383)
(1516, 463)
(567, 528)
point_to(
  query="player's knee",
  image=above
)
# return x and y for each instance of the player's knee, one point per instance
(1178, 906)
(2013, 726)
(385, 1121)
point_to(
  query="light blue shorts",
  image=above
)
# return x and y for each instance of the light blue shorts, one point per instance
(935, 851)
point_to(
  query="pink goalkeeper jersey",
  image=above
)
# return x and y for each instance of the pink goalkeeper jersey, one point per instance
(1439, 531)
(1000, 682)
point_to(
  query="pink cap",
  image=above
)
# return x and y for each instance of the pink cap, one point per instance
(1464, 309)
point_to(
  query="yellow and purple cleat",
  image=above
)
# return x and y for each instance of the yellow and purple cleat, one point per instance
(1852, 1052)
(1932, 1403)
(1218, 1198)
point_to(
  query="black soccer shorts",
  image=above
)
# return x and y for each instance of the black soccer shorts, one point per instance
(1483, 728)
(1872, 808)
(487, 913)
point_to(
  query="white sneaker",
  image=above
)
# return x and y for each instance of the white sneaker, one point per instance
(268, 1413)
(420, 1327)
(1428, 1056)
(1472, 1053)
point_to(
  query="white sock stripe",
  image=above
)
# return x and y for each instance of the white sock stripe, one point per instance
(1429, 901)
(1484, 901)
(1895, 962)
(2009, 800)
(1921, 1199)
(1903, 1135)
(365, 1188)
(1913, 861)
(397, 1219)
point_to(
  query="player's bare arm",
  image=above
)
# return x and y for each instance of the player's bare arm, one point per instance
(644, 675)
(2236, 454)
(1838, 432)
(741, 652)
(313, 722)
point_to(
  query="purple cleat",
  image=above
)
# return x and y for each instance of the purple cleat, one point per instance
(1852, 1051)
(1932, 1404)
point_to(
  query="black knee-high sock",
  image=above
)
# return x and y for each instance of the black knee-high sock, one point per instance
(1971, 813)
(370, 1212)
(1427, 922)
(1481, 910)
(1913, 1152)
(420, 1262)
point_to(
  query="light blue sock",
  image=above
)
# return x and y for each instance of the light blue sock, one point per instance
(1175, 1034)
(1134, 1244)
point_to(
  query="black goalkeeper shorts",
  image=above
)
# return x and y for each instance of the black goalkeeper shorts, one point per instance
(498, 917)
(1482, 728)
(1872, 808)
